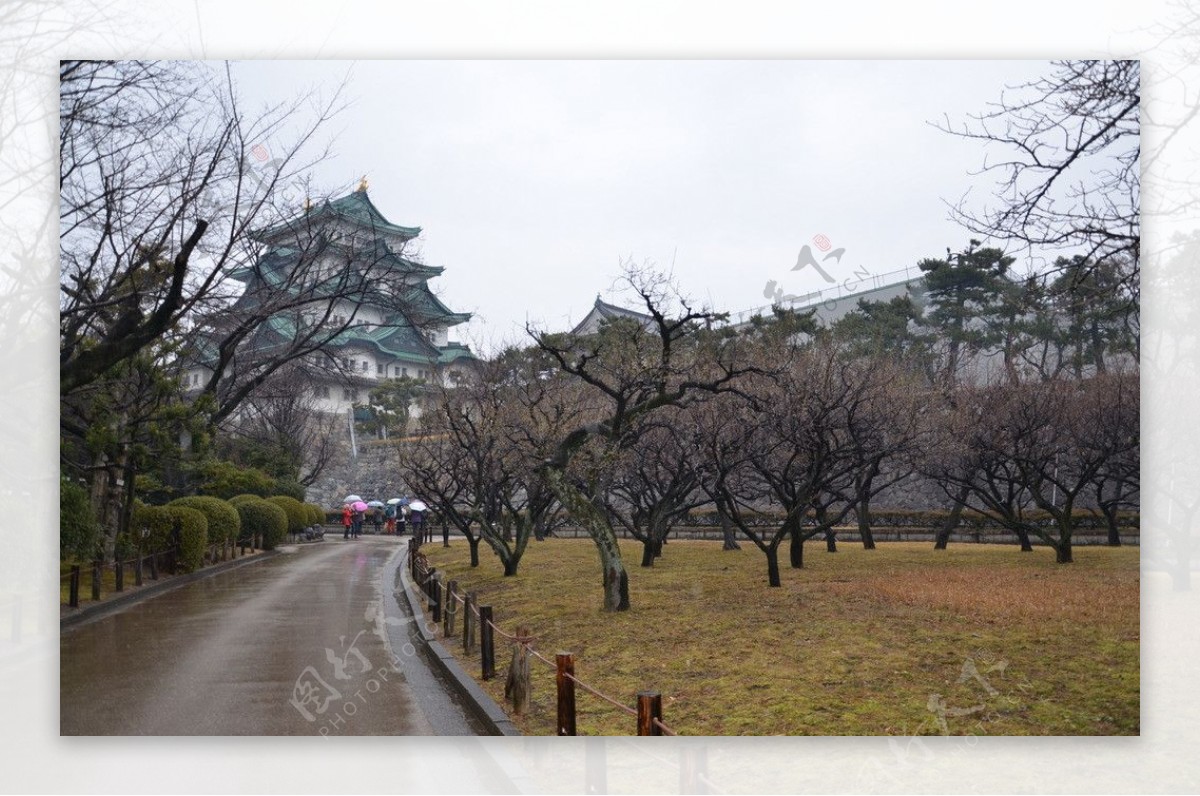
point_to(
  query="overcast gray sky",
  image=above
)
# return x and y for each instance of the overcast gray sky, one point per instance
(533, 180)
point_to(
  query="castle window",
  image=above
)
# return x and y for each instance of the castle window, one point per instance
(378, 369)
(366, 365)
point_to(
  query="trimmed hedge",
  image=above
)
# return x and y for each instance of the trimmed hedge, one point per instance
(78, 531)
(262, 520)
(224, 524)
(297, 514)
(316, 514)
(157, 525)
(193, 535)
(900, 518)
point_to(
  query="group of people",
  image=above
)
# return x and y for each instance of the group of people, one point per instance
(392, 518)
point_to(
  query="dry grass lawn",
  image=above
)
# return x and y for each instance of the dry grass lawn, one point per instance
(902, 640)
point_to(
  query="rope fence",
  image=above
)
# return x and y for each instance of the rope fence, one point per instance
(446, 603)
(137, 566)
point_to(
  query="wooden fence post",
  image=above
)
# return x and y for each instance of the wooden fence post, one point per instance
(73, 586)
(137, 572)
(95, 580)
(566, 692)
(120, 570)
(451, 608)
(519, 684)
(487, 649)
(469, 624)
(435, 595)
(649, 708)
(154, 566)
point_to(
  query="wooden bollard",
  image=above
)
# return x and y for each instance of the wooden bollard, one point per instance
(487, 649)
(451, 609)
(518, 685)
(469, 624)
(95, 580)
(649, 708)
(566, 692)
(435, 594)
(73, 587)
(424, 577)
(120, 570)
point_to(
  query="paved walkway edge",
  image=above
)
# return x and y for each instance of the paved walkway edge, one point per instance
(491, 713)
(154, 589)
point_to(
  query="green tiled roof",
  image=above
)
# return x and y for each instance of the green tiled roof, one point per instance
(355, 207)
(453, 353)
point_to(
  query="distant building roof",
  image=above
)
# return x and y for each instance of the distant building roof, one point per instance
(356, 207)
(602, 311)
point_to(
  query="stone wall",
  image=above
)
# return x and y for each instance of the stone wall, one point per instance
(372, 475)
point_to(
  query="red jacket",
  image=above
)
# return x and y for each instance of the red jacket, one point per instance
(346, 514)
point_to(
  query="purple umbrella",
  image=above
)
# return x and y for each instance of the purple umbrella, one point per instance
(358, 505)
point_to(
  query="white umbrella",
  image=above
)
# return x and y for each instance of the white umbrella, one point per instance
(417, 505)
(394, 501)
(352, 499)
(375, 504)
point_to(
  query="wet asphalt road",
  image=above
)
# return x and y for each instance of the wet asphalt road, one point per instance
(309, 642)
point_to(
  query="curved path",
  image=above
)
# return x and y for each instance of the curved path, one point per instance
(308, 642)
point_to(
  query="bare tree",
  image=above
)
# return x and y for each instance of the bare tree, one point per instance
(161, 184)
(630, 373)
(1068, 175)
(1040, 446)
(656, 481)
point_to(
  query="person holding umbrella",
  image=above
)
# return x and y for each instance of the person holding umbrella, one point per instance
(356, 521)
(389, 518)
(346, 520)
(417, 517)
(376, 507)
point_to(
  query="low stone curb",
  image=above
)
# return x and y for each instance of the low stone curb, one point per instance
(486, 708)
(145, 592)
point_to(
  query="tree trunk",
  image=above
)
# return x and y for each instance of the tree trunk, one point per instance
(864, 524)
(796, 550)
(1062, 552)
(473, 542)
(1023, 537)
(830, 541)
(1109, 510)
(510, 565)
(773, 566)
(616, 585)
(615, 578)
(648, 552)
(729, 534)
(951, 523)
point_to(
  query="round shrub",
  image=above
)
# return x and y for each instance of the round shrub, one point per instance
(193, 535)
(316, 514)
(78, 531)
(223, 520)
(297, 515)
(263, 521)
(150, 528)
